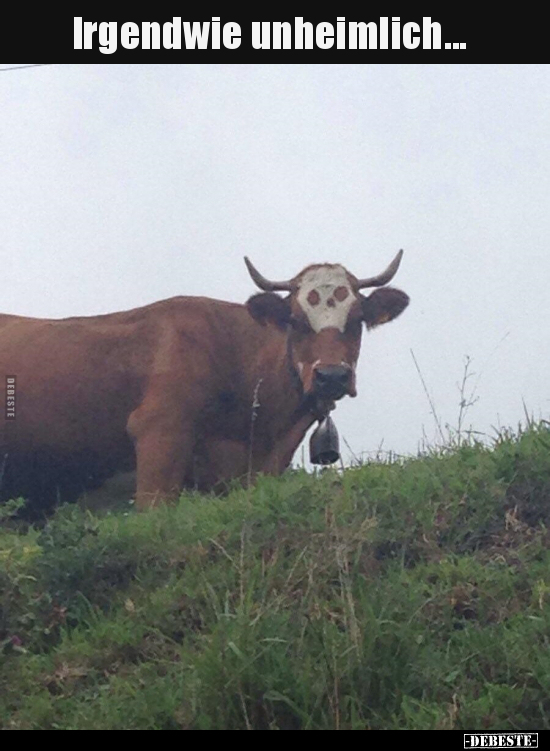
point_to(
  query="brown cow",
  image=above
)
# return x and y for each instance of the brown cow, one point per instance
(171, 389)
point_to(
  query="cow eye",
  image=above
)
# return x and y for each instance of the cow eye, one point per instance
(299, 325)
(353, 326)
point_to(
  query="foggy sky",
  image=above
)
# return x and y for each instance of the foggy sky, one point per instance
(125, 184)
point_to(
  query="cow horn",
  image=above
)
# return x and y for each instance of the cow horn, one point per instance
(383, 278)
(264, 283)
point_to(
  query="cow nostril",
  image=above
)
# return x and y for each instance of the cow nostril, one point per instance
(322, 376)
(332, 376)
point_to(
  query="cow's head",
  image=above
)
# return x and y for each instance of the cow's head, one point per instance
(323, 315)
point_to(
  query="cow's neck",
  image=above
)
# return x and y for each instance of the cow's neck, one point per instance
(277, 386)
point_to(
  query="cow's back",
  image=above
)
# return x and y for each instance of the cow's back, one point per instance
(75, 379)
(79, 379)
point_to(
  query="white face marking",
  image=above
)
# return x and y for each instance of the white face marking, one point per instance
(318, 301)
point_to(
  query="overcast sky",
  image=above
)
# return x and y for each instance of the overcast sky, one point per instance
(125, 184)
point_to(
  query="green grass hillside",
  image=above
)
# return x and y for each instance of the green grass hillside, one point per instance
(407, 595)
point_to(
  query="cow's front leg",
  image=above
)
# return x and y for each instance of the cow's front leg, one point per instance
(285, 446)
(163, 457)
(163, 438)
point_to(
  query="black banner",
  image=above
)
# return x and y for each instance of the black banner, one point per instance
(197, 35)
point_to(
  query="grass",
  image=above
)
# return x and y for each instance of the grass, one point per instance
(404, 595)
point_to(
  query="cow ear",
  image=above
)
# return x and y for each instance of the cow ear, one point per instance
(383, 305)
(267, 307)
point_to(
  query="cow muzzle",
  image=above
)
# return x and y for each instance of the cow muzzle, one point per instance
(333, 381)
